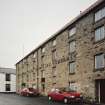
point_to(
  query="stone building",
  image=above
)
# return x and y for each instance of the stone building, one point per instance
(7, 80)
(73, 57)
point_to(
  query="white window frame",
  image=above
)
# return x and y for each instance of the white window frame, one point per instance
(54, 72)
(100, 14)
(43, 49)
(72, 46)
(99, 33)
(43, 74)
(34, 55)
(54, 55)
(54, 42)
(72, 67)
(73, 86)
(99, 61)
(72, 31)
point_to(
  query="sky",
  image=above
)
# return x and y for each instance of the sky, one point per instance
(24, 24)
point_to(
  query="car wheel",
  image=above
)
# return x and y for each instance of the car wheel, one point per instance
(65, 100)
(49, 98)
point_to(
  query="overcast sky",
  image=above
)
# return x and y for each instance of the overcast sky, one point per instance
(24, 24)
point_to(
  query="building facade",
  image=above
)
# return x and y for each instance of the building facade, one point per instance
(73, 57)
(7, 80)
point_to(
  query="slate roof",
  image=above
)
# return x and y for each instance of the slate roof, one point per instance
(7, 70)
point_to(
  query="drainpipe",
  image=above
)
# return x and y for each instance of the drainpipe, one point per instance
(99, 95)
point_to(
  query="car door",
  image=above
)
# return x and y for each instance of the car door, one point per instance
(59, 96)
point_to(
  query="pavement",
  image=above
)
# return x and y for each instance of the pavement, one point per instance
(14, 99)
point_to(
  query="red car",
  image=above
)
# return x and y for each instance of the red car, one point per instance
(65, 96)
(29, 92)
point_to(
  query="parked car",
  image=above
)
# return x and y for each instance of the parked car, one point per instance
(29, 92)
(65, 96)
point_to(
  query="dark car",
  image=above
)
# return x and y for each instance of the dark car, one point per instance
(65, 96)
(29, 92)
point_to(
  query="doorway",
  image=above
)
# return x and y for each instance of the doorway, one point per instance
(100, 90)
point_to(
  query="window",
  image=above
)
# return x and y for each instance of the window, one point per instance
(72, 67)
(43, 87)
(43, 74)
(54, 55)
(72, 46)
(34, 75)
(99, 61)
(100, 14)
(100, 33)
(54, 43)
(43, 49)
(54, 72)
(72, 86)
(34, 55)
(42, 60)
(72, 31)
(7, 87)
(7, 77)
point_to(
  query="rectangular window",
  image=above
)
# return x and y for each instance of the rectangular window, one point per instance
(7, 77)
(72, 67)
(100, 33)
(100, 14)
(72, 46)
(7, 87)
(72, 86)
(43, 87)
(54, 55)
(54, 42)
(43, 49)
(72, 31)
(99, 61)
(34, 55)
(43, 74)
(54, 72)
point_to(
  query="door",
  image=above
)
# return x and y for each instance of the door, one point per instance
(100, 90)
(59, 96)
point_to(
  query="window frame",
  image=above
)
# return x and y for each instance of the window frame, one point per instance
(74, 85)
(43, 49)
(101, 15)
(7, 77)
(54, 72)
(72, 31)
(54, 42)
(7, 87)
(100, 36)
(71, 51)
(95, 66)
(74, 68)
(54, 55)
(34, 55)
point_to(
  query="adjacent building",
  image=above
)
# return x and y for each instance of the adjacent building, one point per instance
(73, 57)
(7, 80)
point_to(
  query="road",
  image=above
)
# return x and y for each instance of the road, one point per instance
(13, 99)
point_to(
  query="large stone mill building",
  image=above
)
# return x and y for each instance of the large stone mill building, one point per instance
(73, 57)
